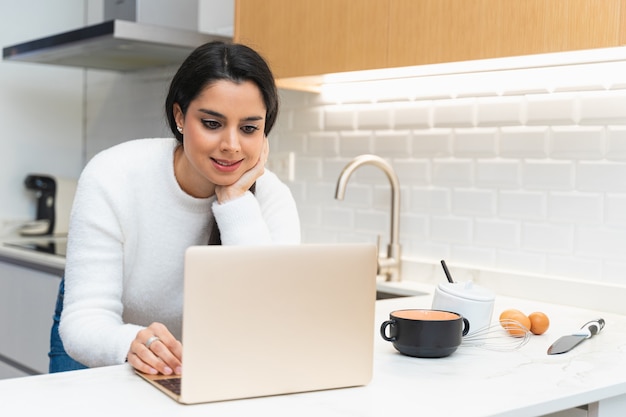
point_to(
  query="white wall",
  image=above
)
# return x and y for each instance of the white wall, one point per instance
(41, 109)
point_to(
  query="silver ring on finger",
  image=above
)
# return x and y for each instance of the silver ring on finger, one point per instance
(151, 340)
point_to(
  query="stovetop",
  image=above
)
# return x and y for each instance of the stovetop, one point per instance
(52, 246)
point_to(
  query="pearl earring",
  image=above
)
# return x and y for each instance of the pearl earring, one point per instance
(180, 129)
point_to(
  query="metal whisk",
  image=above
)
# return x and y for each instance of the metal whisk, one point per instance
(496, 336)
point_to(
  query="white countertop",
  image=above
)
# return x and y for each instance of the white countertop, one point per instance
(471, 382)
(30, 258)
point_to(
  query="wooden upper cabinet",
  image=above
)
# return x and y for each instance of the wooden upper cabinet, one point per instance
(312, 37)
(435, 31)
(302, 39)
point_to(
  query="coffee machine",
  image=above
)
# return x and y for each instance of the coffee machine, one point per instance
(45, 190)
(54, 197)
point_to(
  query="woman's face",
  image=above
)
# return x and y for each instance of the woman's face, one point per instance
(222, 136)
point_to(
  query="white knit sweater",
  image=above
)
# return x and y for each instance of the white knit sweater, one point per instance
(129, 228)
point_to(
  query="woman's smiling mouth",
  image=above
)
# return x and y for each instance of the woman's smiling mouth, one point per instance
(225, 165)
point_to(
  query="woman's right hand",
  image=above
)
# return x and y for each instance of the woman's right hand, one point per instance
(155, 350)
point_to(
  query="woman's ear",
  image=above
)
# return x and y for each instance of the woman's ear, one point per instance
(179, 117)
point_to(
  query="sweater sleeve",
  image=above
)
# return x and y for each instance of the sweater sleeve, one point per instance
(91, 327)
(268, 217)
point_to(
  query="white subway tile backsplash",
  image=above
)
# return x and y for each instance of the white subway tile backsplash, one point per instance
(306, 120)
(453, 230)
(548, 175)
(452, 173)
(473, 202)
(520, 260)
(454, 112)
(431, 143)
(473, 255)
(321, 235)
(497, 173)
(430, 200)
(523, 142)
(498, 111)
(496, 233)
(551, 109)
(375, 116)
(522, 205)
(308, 169)
(287, 141)
(522, 170)
(382, 199)
(392, 143)
(616, 143)
(575, 207)
(601, 242)
(414, 226)
(310, 215)
(331, 169)
(548, 238)
(412, 171)
(412, 114)
(338, 219)
(603, 107)
(339, 117)
(475, 143)
(577, 142)
(374, 222)
(615, 209)
(601, 177)
(354, 143)
(324, 194)
(323, 144)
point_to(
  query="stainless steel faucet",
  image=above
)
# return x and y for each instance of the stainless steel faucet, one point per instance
(389, 265)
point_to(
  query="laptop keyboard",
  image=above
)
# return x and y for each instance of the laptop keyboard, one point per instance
(172, 384)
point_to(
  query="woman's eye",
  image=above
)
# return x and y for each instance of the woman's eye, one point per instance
(211, 124)
(249, 129)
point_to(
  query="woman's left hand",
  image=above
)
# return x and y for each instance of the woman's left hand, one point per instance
(225, 193)
(155, 350)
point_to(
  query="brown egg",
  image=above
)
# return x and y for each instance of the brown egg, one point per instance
(515, 322)
(539, 322)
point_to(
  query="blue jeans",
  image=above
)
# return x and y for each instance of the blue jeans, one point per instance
(60, 361)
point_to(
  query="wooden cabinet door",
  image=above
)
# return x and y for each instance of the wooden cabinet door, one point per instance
(312, 37)
(434, 31)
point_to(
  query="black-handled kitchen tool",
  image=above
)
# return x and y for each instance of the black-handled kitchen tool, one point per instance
(569, 342)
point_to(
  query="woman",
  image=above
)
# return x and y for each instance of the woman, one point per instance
(140, 204)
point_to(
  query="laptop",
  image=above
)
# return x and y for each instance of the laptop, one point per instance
(270, 320)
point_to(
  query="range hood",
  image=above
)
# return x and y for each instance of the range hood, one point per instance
(117, 45)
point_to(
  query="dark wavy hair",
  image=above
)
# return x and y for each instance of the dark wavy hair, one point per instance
(212, 62)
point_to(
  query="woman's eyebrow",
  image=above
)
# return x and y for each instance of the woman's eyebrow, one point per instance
(221, 116)
(212, 113)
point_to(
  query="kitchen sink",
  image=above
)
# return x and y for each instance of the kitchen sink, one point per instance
(383, 295)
